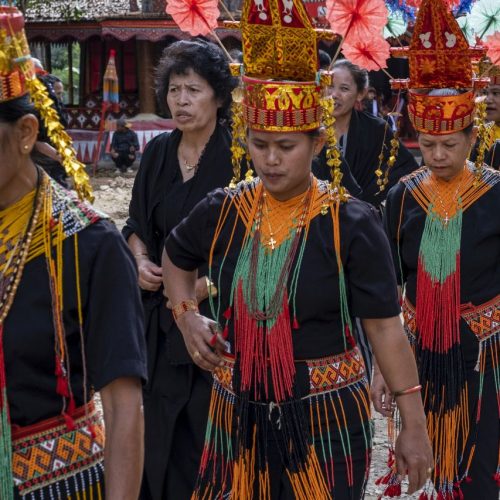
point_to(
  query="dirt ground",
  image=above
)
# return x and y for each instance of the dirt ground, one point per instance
(112, 195)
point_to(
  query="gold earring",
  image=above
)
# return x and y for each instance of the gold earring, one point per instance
(26, 147)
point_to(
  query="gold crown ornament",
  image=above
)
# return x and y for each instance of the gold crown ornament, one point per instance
(281, 87)
(17, 78)
(439, 57)
(15, 60)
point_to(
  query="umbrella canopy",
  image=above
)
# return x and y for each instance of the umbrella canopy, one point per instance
(467, 29)
(396, 25)
(370, 53)
(484, 17)
(196, 17)
(493, 48)
(356, 19)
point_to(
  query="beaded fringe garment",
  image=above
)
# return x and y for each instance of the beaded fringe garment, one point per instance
(436, 317)
(253, 396)
(36, 226)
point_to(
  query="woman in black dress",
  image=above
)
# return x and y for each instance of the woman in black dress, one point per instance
(362, 136)
(70, 314)
(294, 259)
(177, 170)
(446, 250)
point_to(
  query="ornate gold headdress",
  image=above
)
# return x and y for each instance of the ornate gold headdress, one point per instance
(439, 57)
(17, 78)
(281, 88)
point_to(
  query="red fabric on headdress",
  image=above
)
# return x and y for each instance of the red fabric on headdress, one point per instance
(196, 17)
(356, 20)
(439, 54)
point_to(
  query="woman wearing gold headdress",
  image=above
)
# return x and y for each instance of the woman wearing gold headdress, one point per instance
(446, 249)
(70, 317)
(294, 259)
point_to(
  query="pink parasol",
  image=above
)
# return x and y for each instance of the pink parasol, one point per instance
(356, 20)
(370, 53)
(492, 44)
(196, 17)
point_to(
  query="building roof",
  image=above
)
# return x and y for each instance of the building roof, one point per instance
(56, 10)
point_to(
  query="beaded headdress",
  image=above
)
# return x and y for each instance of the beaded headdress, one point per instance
(281, 87)
(18, 78)
(439, 57)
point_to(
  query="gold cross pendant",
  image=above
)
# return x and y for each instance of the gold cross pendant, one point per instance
(272, 242)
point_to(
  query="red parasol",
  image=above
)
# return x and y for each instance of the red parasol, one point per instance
(356, 20)
(370, 53)
(196, 17)
(493, 48)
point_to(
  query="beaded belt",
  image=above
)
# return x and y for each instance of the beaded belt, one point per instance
(483, 319)
(47, 452)
(325, 374)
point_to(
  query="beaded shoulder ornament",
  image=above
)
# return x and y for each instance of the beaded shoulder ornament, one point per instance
(34, 227)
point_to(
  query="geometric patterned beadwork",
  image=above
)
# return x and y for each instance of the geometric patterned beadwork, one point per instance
(54, 453)
(335, 372)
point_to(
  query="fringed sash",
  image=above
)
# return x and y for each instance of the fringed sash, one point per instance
(436, 318)
(263, 312)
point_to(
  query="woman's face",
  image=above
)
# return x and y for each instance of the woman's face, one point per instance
(192, 102)
(493, 103)
(17, 172)
(445, 155)
(8, 156)
(344, 92)
(283, 160)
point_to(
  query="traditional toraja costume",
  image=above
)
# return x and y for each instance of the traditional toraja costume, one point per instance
(290, 413)
(65, 330)
(446, 249)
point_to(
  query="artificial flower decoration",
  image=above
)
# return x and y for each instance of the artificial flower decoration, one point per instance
(484, 17)
(356, 20)
(492, 44)
(396, 25)
(370, 53)
(196, 17)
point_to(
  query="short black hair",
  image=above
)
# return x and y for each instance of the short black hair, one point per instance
(14, 109)
(324, 59)
(204, 58)
(359, 75)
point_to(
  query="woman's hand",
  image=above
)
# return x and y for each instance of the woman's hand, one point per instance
(203, 340)
(382, 398)
(150, 275)
(414, 456)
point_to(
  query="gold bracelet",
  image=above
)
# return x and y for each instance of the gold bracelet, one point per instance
(184, 307)
(211, 289)
(140, 254)
(405, 392)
